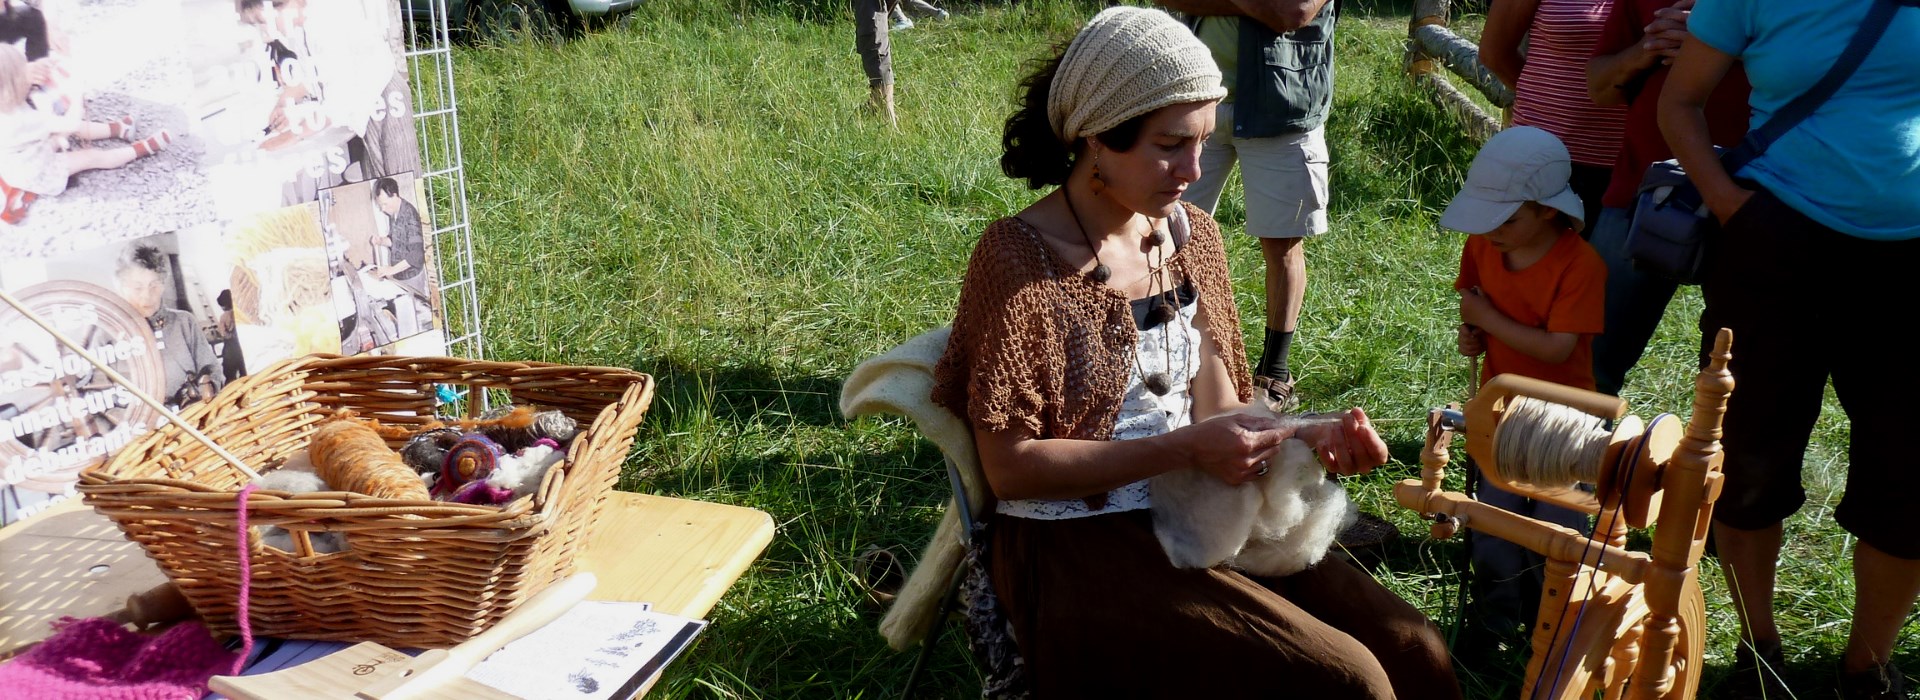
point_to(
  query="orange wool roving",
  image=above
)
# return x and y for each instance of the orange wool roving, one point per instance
(350, 456)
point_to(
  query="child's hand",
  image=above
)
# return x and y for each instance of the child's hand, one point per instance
(1476, 310)
(1468, 340)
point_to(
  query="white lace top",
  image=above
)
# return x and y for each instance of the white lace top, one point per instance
(1172, 347)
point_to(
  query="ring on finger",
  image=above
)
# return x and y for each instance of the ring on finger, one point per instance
(1262, 471)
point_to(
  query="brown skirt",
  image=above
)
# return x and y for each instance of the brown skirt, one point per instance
(1097, 609)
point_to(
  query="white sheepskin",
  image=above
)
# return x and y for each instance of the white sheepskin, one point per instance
(523, 472)
(296, 475)
(1278, 524)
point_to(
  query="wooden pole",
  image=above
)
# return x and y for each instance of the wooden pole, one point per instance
(1478, 123)
(1462, 57)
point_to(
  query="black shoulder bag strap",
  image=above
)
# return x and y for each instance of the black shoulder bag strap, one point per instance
(1864, 38)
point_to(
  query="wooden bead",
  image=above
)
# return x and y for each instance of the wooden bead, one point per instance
(1159, 383)
(1101, 272)
(1161, 312)
(1156, 238)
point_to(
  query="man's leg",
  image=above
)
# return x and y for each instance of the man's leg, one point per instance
(1636, 301)
(1286, 288)
(1286, 184)
(876, 55)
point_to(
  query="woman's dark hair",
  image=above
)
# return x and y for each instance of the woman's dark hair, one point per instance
(1031, 152)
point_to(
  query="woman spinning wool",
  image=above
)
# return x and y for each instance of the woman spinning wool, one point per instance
(1097, 345)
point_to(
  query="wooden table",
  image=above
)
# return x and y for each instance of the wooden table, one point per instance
(66, 561)
(677, 554)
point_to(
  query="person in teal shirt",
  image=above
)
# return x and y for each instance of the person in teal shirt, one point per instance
(1854, 165)
(1816, 257)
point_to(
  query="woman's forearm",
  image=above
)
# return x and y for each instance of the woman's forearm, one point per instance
(1683, 120)
(1608, 76)
(1508, 21)
(1061, 469)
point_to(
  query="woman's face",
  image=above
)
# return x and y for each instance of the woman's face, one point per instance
(142, 289)
(1150, 177)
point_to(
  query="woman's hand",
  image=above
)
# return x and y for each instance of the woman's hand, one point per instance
(1234, 447)
(1352, 447)
(1730, 204)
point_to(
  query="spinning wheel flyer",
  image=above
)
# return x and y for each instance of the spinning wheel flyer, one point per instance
(223, 185)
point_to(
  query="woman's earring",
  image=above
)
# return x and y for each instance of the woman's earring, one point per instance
(1097, 185)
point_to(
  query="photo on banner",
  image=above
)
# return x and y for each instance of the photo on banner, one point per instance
(380, 257)
(282, 293)
(300, 96)
(258, 159)
(143, 308)
(101, 143)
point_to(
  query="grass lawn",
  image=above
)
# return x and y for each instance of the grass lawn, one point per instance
(692, 192)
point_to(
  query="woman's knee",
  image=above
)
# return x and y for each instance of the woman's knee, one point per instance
(1418, 641)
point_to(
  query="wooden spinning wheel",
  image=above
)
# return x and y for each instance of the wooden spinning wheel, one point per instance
(1613, 623)
(73, 391)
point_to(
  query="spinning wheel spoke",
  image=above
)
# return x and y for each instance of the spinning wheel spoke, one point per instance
(98, 320)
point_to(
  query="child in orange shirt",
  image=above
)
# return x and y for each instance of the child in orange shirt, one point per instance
(1532, 297)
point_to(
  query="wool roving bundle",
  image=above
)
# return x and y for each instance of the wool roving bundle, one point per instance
(350, 456)
(519, 427)
(296, 475)
(1278, 524)
(521, 473)
(472, 458)
(427, 450)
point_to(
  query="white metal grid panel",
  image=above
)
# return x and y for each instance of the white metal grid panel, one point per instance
(429, 56)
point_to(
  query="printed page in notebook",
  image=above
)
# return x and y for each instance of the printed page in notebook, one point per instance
(597, 650)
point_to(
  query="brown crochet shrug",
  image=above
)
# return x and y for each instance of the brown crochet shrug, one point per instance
(1038, 344)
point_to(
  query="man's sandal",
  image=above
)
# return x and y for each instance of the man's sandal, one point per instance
(1277, 392)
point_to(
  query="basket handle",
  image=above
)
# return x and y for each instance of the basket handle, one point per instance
(126, 384)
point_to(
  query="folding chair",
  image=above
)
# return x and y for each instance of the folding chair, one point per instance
(900, 382)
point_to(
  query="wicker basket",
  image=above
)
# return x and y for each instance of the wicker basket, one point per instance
(414, 574)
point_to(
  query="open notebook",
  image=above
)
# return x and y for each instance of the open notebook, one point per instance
(596, 651)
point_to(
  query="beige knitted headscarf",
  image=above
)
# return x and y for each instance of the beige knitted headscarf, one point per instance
(1127, 62)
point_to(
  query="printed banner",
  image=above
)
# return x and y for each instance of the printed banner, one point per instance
(194, 190)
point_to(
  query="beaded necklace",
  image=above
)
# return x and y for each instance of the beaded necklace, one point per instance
(1161, 309)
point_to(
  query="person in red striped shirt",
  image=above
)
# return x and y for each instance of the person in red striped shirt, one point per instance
(1549, 82)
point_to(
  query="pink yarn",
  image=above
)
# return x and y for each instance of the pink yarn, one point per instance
(482, 493)
(241, 616)
(98, 659)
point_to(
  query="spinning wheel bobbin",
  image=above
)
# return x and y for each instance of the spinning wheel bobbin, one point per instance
(1632, 484)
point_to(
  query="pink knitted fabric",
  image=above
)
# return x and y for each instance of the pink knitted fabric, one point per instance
(97, 659)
